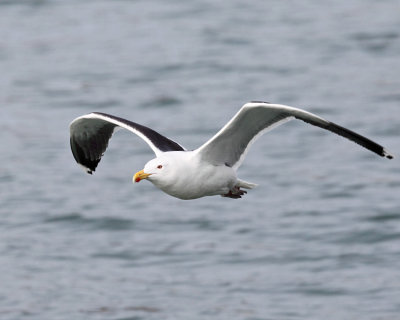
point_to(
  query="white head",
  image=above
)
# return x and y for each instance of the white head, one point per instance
(172, 172)
(161, 171)
(153, 169)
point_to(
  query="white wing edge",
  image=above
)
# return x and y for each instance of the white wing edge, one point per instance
(119, 125)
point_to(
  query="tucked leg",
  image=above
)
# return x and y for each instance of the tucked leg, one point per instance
(235, 193)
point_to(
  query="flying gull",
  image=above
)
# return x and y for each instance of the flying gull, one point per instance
(211, 168)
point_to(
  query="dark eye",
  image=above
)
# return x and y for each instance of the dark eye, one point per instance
(159, 166)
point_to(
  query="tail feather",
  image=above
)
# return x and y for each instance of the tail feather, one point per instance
(245, 184)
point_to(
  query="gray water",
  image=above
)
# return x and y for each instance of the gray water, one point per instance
(318, 239)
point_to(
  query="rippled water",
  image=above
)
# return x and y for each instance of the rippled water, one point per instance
(318, 239)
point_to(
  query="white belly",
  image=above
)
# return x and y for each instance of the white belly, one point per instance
(205, 180)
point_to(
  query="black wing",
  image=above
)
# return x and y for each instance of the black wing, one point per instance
(90, 135)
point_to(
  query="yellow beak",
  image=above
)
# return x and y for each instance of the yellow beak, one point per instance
(140, 175)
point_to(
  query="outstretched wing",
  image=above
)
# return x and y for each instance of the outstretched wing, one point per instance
(90, 134)
(230, 144)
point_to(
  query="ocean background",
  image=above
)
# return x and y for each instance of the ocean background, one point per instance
(318, 239)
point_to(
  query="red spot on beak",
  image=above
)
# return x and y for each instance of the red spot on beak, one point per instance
(140, 175)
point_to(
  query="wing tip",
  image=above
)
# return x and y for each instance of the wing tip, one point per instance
(387, 155)
(86, 169)
(79, 155)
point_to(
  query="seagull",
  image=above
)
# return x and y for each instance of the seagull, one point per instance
(208, 170)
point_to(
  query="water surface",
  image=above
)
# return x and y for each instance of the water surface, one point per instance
(318, 239)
